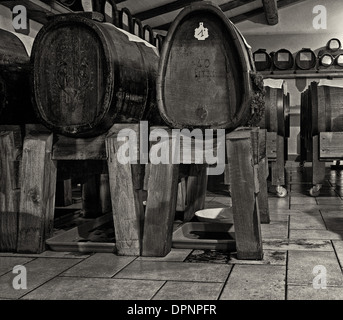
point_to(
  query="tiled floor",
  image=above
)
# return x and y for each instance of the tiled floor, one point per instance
(304, 232)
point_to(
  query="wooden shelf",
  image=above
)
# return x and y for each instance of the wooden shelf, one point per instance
(311, 74)
(38, 10)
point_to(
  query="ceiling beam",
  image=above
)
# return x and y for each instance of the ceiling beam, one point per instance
(169, 7)
(271, 11)
(179, 4)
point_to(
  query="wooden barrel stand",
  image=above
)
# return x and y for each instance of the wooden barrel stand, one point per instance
(30, 201)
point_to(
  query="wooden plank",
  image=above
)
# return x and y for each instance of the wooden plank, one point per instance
(262, 196)
(9, 193)
(181, 195)
(37, 196)
(196, 190)
(66, 148)
(278, 166)
(160, 208)
(318, 167)
(262, 175)
(245, 208)
(330, 146)
(127, 207)
(271, 11)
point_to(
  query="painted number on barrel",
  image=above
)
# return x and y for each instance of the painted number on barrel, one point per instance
(201, 33)
(202, 69)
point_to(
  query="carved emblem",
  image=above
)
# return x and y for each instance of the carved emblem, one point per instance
(73, 78)
(201, 33)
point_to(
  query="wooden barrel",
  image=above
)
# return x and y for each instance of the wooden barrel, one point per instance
(89, 75)
(262, 59)
(321, 111)
(15, 95)
(276, 113)
(283, 59)
(306, 59)
(205, 71)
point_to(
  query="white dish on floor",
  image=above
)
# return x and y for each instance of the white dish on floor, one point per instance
(221, 215)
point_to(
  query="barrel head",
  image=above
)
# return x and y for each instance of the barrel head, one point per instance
(203, 75)
(70, 77)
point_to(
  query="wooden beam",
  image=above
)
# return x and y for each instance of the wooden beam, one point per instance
(271, 11)
(172, 6)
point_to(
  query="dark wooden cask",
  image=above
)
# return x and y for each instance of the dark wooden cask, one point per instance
(276, 112)
(89, 75)
(15, 95)
(205, 71)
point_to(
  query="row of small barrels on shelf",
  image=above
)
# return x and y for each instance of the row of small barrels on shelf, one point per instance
(329, 58)
(120, 18)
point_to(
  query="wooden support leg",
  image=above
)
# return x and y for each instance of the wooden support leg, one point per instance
(263, 194)
(262, 176)
(127, 206)
(244, 202)
(318, 168)
(160, 209)
(64, 195)
(196, 190)
(37, 197)
(9, 191)
(278, 166)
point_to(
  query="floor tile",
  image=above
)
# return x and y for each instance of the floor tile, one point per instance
(271, 257)
(307, 221)
(302, 200)
(338, 245)
(199, 272)
(278, 217)
(99, 265)
(329, 200)
(48, 254)
(333, 223)
(69, 288)
(175, 290)
(312, 245)
(259, 282)
(275, 230)
(38, 271)
(316, 234)
(174, 255)
(310, 293)
(301, 266)
(276, 211)
(8, 263)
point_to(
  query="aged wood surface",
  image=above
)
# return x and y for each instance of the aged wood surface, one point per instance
(37, 194)
(331, 146)
(10, 152)
(127, 207)
(82, 93)
(206, 62)
(243, 192)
